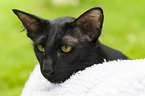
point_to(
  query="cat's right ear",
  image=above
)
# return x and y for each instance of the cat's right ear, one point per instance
(33, 24)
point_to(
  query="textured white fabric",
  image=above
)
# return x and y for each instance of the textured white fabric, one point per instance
(115, 78)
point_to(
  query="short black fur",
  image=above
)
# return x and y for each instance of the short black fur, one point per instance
(81, 34)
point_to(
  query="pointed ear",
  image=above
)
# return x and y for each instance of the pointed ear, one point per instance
(32, 23)
(90, 23)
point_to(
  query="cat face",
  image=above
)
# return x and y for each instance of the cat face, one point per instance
(64, 45)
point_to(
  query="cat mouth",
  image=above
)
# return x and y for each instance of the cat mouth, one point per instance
(55, 78)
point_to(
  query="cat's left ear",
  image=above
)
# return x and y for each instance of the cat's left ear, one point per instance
(90, 23)
(33, 24)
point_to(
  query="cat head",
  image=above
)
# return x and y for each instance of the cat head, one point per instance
(64, 45)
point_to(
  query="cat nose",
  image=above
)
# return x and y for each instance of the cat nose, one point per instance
(47, 67)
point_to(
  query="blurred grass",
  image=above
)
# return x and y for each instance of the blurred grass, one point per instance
(123, 30)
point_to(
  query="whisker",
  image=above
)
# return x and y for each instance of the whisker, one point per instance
(23, 29)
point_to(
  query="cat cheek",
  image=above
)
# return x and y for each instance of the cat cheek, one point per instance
(58, 54)
(42, 54)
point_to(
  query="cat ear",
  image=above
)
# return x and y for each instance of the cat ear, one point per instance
(90, 23)
(32, 23)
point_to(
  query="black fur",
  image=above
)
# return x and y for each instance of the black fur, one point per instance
(57, 66)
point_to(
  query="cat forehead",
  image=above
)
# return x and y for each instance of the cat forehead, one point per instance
(57, 25)
(61, 20)
(70, 39)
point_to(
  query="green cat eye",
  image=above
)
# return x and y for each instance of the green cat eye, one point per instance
(41, 48)
(66, 48)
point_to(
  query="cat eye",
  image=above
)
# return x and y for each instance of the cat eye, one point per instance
(66, 48)
(41, 48)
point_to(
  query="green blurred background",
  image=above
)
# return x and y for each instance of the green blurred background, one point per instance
(123, 29)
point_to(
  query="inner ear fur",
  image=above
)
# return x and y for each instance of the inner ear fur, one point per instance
(90, 23)
(32, 23)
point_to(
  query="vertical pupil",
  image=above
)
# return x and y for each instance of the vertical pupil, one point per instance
(65, 46)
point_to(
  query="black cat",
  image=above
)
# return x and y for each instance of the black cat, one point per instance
(66, 45)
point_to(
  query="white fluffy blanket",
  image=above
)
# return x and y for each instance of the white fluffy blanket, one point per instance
(115, 78)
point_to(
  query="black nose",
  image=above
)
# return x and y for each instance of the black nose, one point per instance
(47, 67)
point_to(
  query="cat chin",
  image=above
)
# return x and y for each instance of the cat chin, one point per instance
(54, 78)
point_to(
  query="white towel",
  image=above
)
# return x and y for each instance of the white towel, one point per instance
(114, 78)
